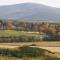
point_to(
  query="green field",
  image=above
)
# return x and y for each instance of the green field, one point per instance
(12, 33)
(51, 46)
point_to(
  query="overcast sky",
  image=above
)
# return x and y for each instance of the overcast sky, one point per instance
(54, 3)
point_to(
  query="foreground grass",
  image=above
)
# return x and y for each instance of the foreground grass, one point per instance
(22, 53)
(40, 44)
(26, 53)
(24, 58)
(51, 46)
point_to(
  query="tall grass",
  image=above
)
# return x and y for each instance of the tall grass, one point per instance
(25, 53)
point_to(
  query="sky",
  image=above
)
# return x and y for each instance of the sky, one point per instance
(53, 3)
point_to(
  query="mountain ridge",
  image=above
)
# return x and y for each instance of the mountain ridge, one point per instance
(30, 11)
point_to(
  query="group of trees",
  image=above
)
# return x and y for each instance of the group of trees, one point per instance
(48, 28)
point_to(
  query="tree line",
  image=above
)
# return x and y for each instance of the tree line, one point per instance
(45, 27)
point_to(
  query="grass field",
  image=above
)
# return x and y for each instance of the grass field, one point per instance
(12, 33)
(41, 44)
(43, 54)
(25, 58)
(51, 46)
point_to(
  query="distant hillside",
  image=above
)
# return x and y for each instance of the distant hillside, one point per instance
(30, 11)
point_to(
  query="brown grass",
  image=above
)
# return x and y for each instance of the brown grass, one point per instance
(52, 46)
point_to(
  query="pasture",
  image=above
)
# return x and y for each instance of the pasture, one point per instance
(12, 33)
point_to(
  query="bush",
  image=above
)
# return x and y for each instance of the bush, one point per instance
(33, 45)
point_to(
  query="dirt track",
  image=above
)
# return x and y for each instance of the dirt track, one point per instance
(52, 49)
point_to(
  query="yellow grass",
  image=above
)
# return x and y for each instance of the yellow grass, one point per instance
(52, 46)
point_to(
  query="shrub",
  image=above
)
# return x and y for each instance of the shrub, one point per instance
(33, 45)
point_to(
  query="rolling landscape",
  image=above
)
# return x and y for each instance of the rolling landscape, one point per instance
(29, 31)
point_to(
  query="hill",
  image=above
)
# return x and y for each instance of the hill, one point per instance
(30, 11)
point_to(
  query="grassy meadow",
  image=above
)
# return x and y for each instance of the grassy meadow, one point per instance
(13, 51)
(27, 53)
(12, 33)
